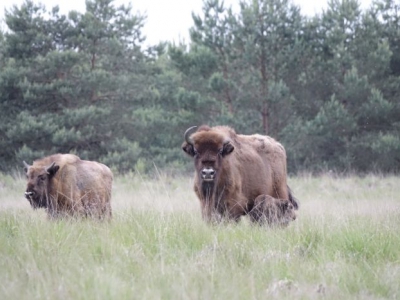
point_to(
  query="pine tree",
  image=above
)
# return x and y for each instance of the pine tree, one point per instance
(70, 90)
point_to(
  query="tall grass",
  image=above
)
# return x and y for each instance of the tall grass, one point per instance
(345, 244)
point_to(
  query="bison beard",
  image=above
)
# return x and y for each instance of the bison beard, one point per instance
(239, 174)
(214, 208)
(36, 201)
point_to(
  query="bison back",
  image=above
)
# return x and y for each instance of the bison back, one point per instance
(273, 157)
(94, 181)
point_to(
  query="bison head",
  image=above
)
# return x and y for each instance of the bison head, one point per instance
(38, 178)
(208, 148)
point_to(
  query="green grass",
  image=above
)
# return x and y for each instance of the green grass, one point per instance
(345, 244)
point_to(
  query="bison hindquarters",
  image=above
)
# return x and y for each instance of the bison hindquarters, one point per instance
(272, 211)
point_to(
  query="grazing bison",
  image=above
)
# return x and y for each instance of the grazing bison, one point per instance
(239, 174)
(65, 185)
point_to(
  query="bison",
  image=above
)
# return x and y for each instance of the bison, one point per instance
(272, 211)
(65, 185)
(237, 174)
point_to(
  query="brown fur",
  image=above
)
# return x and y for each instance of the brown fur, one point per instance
(67, 186)
(246, 166)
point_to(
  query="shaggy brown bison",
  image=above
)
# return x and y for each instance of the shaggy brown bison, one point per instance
(65, 185)
(239, 174)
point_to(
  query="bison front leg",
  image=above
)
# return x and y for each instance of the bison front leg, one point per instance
(107, 213)
(272, 211)
(209, 214)
(236, 209)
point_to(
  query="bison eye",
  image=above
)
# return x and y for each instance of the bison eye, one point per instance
(42, 177)
(195, 152)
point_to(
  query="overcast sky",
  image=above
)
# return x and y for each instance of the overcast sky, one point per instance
(167, 20)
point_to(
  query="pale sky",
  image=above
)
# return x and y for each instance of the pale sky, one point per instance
(167, 20)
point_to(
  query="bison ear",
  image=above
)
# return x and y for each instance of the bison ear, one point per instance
(52, 169)
(188, 148)
(227, 149)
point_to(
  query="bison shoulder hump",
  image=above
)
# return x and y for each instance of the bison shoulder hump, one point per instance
(266, 144)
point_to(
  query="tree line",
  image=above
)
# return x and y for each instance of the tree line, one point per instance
(327, 86)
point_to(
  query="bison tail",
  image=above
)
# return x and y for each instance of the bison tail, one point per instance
(293, 200)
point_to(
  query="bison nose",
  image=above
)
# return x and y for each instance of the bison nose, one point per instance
(207, 174)
(29, 194)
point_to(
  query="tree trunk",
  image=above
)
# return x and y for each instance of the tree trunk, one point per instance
(265, 119)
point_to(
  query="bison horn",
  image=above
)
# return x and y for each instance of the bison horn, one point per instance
(49, 168)
(26, 165)
(188, 133)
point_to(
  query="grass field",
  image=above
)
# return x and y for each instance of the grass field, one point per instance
(345, 244)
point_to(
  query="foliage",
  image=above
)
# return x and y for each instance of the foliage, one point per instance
(327, 87)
